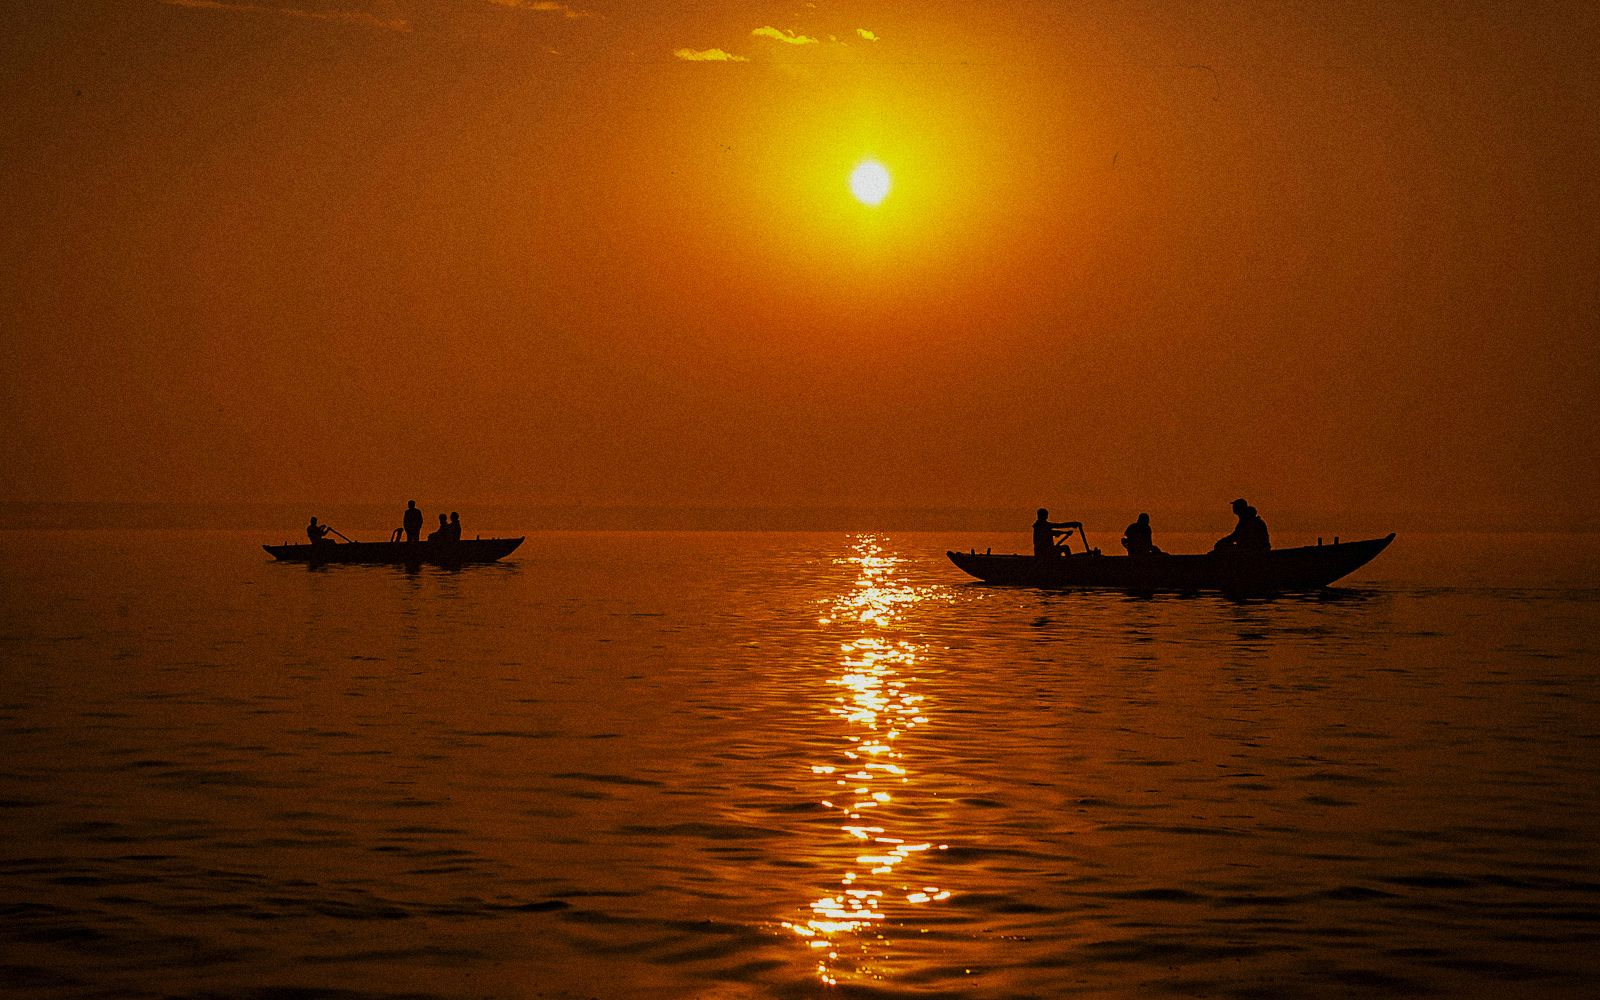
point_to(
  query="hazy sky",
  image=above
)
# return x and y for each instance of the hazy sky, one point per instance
(1333, 256)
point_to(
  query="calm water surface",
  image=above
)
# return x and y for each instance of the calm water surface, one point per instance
(751, 765)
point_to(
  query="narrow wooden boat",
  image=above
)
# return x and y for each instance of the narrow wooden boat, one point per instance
(1304, 568)
(468, 550)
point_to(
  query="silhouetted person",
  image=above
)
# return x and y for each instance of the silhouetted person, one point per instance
(318, 533)
(1045, 533)
(443, 534)
(413, 521)
(455, 527)
(1249, 535)
(1137, 538)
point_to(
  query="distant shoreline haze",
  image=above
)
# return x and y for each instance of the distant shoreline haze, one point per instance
(1104, 523)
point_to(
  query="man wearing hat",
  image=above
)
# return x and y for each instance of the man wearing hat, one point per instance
(1249, 535)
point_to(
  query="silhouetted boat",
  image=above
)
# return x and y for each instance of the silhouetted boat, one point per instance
(1304, 568)
(468, 550)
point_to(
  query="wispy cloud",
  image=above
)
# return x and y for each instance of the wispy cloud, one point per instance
(779, 35)
(708, 55)
(355, 17)
(544, 7)
(786, 37)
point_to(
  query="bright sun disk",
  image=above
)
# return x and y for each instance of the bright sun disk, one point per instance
(869, 182)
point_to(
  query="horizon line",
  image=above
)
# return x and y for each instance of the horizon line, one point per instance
(574, 516)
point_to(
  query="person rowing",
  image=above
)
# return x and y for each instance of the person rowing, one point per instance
(318, 533)
(1046, 532)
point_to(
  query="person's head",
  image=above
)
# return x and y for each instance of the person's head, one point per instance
(1240, 506)
(411, 504)
(313, 520)
(441, 519)
(1044, 515)
(1144, 518)
(454, 516)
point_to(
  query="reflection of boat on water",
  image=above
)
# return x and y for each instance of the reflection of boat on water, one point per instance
(1304, 568)
(452, 553)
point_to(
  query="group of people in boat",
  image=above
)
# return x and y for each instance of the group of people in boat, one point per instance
(1249, 535)
(1049, 537)
(410, 529)
(449, 529)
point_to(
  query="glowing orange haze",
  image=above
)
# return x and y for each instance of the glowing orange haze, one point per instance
(1340, 258)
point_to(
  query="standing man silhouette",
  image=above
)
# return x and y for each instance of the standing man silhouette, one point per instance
(413, 521)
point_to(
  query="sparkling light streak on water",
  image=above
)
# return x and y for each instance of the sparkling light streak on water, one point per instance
(876, 705)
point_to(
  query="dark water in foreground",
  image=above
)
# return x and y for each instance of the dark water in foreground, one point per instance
(749, 765)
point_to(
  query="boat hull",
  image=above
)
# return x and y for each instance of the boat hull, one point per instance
(468, 550)
(1305, 568)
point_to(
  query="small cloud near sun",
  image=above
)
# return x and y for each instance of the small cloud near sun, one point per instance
(543, 6)
(707, 55)
(786, 37)
(868, 35)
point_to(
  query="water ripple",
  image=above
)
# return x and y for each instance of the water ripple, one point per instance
(758, 765)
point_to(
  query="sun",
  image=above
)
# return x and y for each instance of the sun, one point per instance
(869, 182)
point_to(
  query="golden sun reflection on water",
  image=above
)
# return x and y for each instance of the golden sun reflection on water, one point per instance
(872, 783)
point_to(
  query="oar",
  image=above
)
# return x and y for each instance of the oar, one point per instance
(341, 534)
(1065, 544)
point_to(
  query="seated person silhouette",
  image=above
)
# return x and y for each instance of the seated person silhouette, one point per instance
(1137, 538)
(1045, 533)
(455, 527)
(1249, 535)
(443, 534)
(318, 533)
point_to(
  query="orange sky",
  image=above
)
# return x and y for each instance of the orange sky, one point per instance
(1335, 257)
